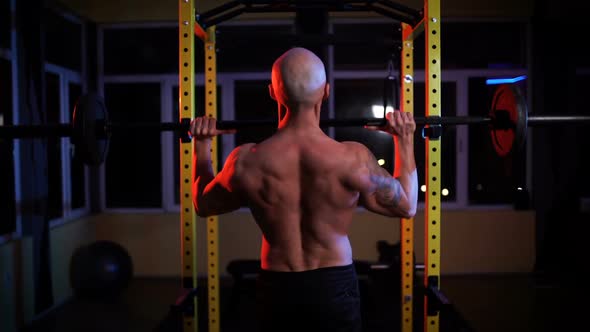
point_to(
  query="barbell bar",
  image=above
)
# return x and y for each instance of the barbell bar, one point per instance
(535, 120)
(91, 129)
(66, 130)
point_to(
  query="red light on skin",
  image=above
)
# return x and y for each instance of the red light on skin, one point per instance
(264, 250)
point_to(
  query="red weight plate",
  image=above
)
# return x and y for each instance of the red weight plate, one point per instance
(508, 106)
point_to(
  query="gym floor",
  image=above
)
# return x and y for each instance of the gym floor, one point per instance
(486, 303)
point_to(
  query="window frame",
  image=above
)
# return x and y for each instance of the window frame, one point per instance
(163, 80)
(66, 76)
(167, 83)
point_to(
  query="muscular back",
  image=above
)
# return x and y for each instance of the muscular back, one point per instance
(300, 189)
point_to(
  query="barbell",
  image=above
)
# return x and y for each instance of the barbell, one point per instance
(90, 129)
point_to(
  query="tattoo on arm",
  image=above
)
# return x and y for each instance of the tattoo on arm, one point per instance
(389, 192)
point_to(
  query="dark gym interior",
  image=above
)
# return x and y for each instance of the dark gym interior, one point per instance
(100, 247)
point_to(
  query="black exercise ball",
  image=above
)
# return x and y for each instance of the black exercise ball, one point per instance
(100, 269)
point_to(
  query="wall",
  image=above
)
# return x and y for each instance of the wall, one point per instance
(16, 271)
(494, 241)
(103, 11)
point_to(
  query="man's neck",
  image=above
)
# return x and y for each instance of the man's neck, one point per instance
(300, 117)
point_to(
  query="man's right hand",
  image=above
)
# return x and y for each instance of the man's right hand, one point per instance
(399, 124)
(204, 128)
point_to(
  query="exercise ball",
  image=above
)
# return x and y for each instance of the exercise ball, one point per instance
(100, 269)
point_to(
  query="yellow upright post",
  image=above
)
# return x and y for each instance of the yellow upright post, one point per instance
(212, 222)
(407, 225)
(186, 100)
(432, 205)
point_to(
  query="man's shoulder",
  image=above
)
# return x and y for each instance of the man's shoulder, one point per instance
(355, 147)
(240, 152)
(237, 164)
(245, 148)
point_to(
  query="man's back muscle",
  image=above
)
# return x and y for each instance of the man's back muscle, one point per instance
(297, 189)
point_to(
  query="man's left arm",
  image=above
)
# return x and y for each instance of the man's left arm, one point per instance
(212, 195)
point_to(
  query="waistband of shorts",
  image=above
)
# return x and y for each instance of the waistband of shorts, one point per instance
(324, 273)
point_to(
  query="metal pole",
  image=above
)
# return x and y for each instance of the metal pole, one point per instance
(186, 107)
(548, 120)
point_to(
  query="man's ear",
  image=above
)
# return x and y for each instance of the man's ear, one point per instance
(326, 91)
(271, 92)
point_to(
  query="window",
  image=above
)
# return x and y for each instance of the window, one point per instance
(356, 98)
(356, 64)
(7, 190)
(66, 175)
(5, 24)
(491, 45)
(495, 45)
(57, 30)
(251, 48)
(77, 168)
(133, 166)
(252, 102)
(54, 148)
(146, 50)
(490, 176)
(63, 66)
(365, 46)
(67, 194)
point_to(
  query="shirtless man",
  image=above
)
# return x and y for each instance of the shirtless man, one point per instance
(303, 188)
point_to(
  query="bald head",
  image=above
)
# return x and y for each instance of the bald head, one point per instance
(298, 78)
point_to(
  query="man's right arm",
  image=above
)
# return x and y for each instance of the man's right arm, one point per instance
(382, 193)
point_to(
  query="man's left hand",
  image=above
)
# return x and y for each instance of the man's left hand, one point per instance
(204, 128)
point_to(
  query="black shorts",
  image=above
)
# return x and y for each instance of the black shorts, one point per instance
(325, 299)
